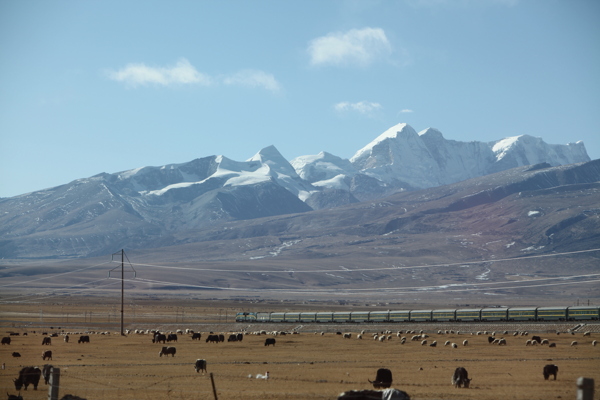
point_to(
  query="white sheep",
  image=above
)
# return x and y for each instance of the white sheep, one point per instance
(261, 376)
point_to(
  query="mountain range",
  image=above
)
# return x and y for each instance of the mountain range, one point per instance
(154, 207)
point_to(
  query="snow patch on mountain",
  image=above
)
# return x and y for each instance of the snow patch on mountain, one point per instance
(501, 147)
(337, 182)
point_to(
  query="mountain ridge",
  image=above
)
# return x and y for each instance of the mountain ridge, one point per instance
(148, 206)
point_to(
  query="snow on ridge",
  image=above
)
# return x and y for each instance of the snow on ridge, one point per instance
(322, 166)
(398, 156)
(273, 158)
(501, 147)
(337, 182)
(431, 132)
(160, 192)
(129, 173)
(391, 133)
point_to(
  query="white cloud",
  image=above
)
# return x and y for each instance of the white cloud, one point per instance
(362, 107)
(357, 46)
(406, 110)
(182, 73)
(253, 78)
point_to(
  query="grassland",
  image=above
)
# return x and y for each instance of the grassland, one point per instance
(307, 365)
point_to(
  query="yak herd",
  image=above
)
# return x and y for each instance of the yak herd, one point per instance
(460, 378)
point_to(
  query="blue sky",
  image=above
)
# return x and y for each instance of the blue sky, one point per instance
(104, 86)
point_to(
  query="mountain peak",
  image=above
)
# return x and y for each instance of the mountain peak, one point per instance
(431, 133)
(399, 131)
(267, 153)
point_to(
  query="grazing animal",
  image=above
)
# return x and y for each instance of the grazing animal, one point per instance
(66, 338)
(424, 342)
(172, 337)
(502, 342)
(594, 342)
(465, 342)
(270, 341)
(16, 354)
(159, 337)
(454, 346)
(47, 354)
(550, 369)
(212, 338)
(574, 343)
(14, 396)
(46, 341)
(221, 338)
(240, 337)
(347, 335)
(196, 336)
(46, 371)
(28, 376)
(552, 345)
(5, 340)
(491, 339)
(261, 376)
(232, 338)
(528, 342)
(537, 339)
(383, 379)
(388, 394)
(587, 333)
(167, 350)
(433, 344)
(200, 365)
(84, 339)
(461, 378)
(545, 341)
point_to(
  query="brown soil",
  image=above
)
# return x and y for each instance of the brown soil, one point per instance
(301, 366)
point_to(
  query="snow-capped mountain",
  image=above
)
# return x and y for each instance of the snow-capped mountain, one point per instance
(402, 159)
(152, 204)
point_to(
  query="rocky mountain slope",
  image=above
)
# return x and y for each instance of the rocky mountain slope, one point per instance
(159, 206)
(521, 236)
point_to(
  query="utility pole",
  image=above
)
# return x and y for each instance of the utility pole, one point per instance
(122, 287)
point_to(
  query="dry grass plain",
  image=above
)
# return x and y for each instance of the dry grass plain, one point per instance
(302, 366)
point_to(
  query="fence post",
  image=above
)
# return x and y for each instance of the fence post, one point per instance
(213, 386)
(585, 389)
(54, 384)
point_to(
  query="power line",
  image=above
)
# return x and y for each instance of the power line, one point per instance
(46, 295)
(412, 289)
(287, 271)
(55, 275)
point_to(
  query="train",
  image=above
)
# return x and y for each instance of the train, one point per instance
(490, 314)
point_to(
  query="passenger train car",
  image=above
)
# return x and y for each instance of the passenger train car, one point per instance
(558, 313)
